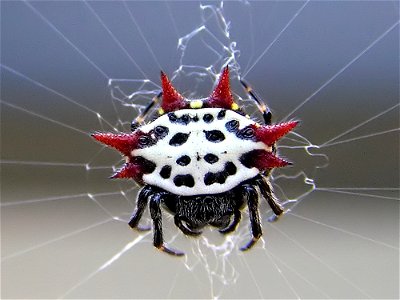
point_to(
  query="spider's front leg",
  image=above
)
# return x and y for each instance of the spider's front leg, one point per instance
(251, 195)
(155, 212)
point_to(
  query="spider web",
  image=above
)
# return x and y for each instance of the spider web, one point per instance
(333, 65)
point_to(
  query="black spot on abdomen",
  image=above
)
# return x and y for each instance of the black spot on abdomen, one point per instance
(220, 177)
(214, 136)
(246, 133)
(186, 180)
(230, 168)
(211, 158)
(185, 119)
(208, 118)
(165, 172)
(232, 126)
(179, 139)
(248, 159)
(221, 114)
(183, 160)
(147, 165)
(161, 132)
(210, 178)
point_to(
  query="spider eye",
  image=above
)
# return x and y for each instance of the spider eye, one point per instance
(215, 136)
(185, 119)
(161, 131)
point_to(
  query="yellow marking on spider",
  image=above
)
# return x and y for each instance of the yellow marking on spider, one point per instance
(196, 104)
(263, 108)
(234, 106)
(161, 111)
(139, 119)
(247, 116)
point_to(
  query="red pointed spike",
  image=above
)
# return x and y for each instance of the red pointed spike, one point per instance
(129, 170)
(263, 160)
(123, 142)
(221, 97)
(171, 99)
(271, 133)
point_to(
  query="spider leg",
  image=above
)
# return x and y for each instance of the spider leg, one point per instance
(140, 118)
(185, 229)
(141, 204)
(251, 195)
(267, 115)
(268, 194)
(237, 215)
(155, 212)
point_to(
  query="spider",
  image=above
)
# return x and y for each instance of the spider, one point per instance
(203, 160)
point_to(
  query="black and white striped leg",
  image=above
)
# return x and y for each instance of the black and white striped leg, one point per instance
(140, 118)
(267, 115)
(251, 196)
(155, 212)
(141, 204)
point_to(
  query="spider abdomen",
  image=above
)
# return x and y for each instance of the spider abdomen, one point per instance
(201, 151)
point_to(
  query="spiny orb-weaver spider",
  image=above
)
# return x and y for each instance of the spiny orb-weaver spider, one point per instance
(202, 159)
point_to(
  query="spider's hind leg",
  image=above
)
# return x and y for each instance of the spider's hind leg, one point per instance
(268, 194)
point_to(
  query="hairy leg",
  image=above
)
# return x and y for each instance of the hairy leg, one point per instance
(268, 194)
(155, 212)
(251, 195)
(141, 204)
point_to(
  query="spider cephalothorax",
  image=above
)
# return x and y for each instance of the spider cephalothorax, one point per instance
(203, 159)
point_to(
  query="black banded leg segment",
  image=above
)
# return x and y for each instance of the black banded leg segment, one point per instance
(183, 228)
(267, 115)
(155, 212)
(141, 204)
(251, 195)
(140, 118)
(268, 194)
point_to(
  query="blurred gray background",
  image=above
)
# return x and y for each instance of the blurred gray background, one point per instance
(63, 222)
